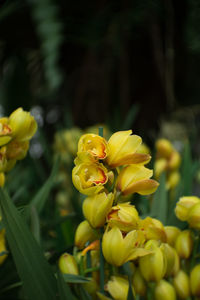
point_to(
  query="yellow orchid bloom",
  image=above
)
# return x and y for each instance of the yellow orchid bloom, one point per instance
(181, 283)
(153, 229)
(93, 144)
(139, 283)
(89, 178)
(164, 148)
(118, 249)
(135, 179)
(194, 216)
(17, 150)
(96, 208)
(124, 216)
(23, 125)
(164, 290)
(84, 233)
(184, 205)
(195, 280)
(118, 288)
(172, 232)
(122, 149)
(184, 244)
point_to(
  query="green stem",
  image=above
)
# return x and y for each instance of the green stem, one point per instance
(89, 270)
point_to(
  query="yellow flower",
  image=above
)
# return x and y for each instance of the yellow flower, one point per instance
(172, 260)
(194, 216)
(195, 281)
(153, 266)
(164, 148)
(183, 206)
(17, 150)
(84, 233)
(172, 232)
(159, 167)
(173, 179)
(23, 125)
(118, 288)
(5, 132)
(89, 178)
(2, 246)
(174, 161)
(182, 284)
(96, 208)
(139, 283)
(135, 179)
(67, 264)
(165, 291)
(124, 216)
(184, 244)
(93, 144)
(122, 149)
(144, 149)
(118, 249)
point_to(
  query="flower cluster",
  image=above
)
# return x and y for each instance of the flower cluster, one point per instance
(15, 134)
(168, 159)
(157, 255)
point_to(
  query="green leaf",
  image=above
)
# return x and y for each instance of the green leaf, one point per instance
(130, 291)
(63, 288)
(35, 223)
(35, 272)
(159, 207)
(75, 278)
(84, 294)
(40, 198)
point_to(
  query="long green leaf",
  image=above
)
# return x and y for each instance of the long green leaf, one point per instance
(159, 205)
(40, 198)
(74, 278)
(35, 272)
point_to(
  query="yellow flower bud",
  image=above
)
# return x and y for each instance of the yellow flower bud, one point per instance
(124, 216)
(143, 148)
(164, 148)
(122, 149)
(23, 125)
(195, 281)
(194, 216)
(165, 291)
(91, 287)
(174, 161)
(184, 244)
(173, 180)
(118, 288)
(67, 264)
(160, 166)
(183, 206)
(153, 229)
(96, 208)
(172, 258)
(84, 233)
(5, 132)
(152, 266)
(139, 283)
(182, 285)
(2, 179)
(94, 144)
(135, 179)
(118, 249)
(89, 178)
(172, 232)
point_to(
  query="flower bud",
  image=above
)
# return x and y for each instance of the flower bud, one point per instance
(118, 288)
(67, 264)
(164, 148)
(89, 178)
(170, 256)
(184, 244)
(195, 281)
(194, 216)
(2, 246)
(174, 161)
(5, 132)
(2, 179)
(165, 291)
(135, 179)
(182, 285)
(122, 149)
(173, 180)
(139, 283)
(183, 206)
(23, 125)
(172, 232)
(153, 266)
(153, 229)
(84, 233)
(96, 208)
(124, 216)
(159, 167)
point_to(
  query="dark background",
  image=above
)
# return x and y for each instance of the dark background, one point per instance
(85, 62)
